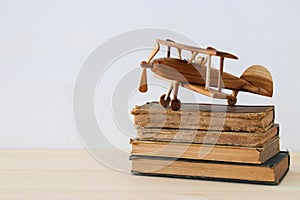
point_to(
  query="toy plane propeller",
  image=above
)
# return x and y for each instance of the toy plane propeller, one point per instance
(197, 74)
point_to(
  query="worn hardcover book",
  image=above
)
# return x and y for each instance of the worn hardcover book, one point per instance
(235, 138)
(205, 117)
(270, 172)
(225, 153)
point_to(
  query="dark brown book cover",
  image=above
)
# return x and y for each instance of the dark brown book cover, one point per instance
(271, 172)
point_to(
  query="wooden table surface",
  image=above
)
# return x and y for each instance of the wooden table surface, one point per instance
(74, 174)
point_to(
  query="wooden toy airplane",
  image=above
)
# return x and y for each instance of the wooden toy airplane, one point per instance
(197, 74)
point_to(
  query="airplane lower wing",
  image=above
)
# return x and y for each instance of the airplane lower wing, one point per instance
(210, 92)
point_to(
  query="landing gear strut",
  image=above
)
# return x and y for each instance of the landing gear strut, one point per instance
(165, 98)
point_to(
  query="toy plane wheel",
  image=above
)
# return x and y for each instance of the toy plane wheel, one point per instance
(175, 104)
(163, 101)
(232, 101)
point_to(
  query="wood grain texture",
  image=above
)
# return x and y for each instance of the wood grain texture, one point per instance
(256, 79)
(74, 174)
(184, 72)
(143, 82)
(260, 77)
(209, 50)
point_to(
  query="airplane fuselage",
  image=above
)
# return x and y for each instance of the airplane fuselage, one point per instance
(193, 73)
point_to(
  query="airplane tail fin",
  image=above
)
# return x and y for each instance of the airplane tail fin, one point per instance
(260, 79)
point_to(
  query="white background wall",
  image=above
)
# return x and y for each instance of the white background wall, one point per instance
(44, 43)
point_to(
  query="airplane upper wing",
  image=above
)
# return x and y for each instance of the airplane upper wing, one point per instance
(209, 51)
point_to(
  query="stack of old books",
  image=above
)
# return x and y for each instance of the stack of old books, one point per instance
(230, 143)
